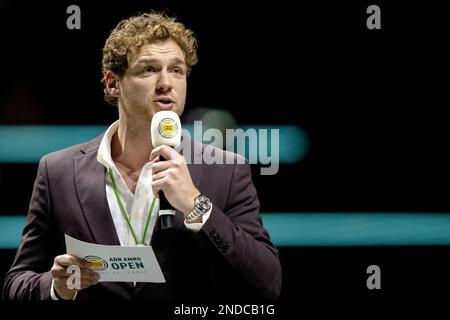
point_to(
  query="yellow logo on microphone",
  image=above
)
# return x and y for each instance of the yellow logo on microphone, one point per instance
(168, 128)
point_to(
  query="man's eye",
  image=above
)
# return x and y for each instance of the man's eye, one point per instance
(148, 69)
(178, 70)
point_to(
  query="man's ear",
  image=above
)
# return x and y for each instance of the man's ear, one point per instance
(112, 82)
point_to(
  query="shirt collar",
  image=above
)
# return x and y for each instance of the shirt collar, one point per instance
(104, 150)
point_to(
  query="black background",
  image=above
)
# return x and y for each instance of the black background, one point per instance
(372, 103)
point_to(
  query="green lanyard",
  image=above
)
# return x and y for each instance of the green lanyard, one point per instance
(125, 213)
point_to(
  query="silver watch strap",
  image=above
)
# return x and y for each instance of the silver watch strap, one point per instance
(194, 215)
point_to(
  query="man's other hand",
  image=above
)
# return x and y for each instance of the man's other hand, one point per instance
(60, 275)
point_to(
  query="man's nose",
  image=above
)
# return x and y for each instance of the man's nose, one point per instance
(164, 83)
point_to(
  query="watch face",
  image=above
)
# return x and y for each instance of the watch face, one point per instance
(203, 203)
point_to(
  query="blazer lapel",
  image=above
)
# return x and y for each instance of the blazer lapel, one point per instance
(90, 180)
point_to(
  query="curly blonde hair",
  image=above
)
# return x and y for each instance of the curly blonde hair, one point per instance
(131, 34)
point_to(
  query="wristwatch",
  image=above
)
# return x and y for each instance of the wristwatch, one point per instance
(202, 205)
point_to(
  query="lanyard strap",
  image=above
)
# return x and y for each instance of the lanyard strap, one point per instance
(125, 213)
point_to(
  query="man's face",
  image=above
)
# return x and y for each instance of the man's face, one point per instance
(155, 80)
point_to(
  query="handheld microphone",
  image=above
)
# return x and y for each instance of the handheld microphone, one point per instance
(165, 130)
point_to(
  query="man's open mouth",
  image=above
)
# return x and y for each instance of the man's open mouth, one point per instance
(164, 103)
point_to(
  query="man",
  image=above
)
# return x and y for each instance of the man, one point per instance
(100, 192)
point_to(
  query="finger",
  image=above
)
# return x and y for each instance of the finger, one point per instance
(158, 185)
(62, 284)
(85, 280)
(61, 275)
(89, 275)
(168, 173)
(67, 260)
(155, 153)
(161, 166)
(159, 175)
(86, 283)
(58, 271)
(166, 152)
(155, 160)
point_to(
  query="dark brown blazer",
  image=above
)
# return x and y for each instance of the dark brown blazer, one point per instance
(231, 257)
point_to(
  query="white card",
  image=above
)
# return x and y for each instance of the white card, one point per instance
(117, 263)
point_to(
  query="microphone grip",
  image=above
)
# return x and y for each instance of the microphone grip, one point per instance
(166, 211)
(164, 206)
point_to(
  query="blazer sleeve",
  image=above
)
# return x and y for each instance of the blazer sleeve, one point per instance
(238, 234)
(29, 277)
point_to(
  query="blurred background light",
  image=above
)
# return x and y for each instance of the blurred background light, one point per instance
(27, 144)
(320, 229)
